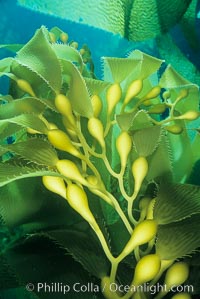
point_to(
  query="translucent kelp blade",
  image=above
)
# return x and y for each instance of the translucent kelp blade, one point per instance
(84, 248)
(156, 168)
(171, 197)
(66, 52)
(172, 79)
(96, 86)
(38, 56)
(146, 140)
(9, 129)
(12, 47)
(77, 93)
(35, 150)
(11, 172)
(28, 121)
(178, 239)
(5, 64)
(135, 20)
(20, 106)
(117, 69)
(107, 15)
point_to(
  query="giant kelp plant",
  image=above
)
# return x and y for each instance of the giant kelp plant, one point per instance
(116, 210)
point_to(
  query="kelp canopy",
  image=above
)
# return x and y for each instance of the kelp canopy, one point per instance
(135, 20)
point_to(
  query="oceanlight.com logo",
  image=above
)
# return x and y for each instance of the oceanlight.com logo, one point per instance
(90, 287)
(151, 289)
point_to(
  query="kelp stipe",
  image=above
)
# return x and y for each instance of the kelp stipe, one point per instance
(110, 156)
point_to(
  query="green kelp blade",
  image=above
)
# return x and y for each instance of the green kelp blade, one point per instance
(28, 121)
(135, 20)
(12, 47)
(46, 266)
(20, 106)
(5, 65)
(36, 150)
(145, 136)
(38, 56)
(11, 172)
(107, 15)
(85, 248)
(67, 52)
(174, 202)
(77, 93)
(177, 239)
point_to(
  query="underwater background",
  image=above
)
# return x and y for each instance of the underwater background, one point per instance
(17, 26)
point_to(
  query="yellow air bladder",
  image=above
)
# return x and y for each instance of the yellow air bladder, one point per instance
(78, 200)
(139, 171)
(55, 185)
(146, 269)
(113, 96)
(61, 141)
(133, 90)
(123, 145)
(70, 170)
(25, 86)
(63, 105)
(96, 105)
(95, 128)
(144, 232)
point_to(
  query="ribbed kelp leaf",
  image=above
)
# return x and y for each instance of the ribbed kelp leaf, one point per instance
(47, 261)
(24, 105)
(38, 56)
(35, 150)
(28, 121)
(195, 148)
(176, 84)
(172, 55)
(149, 18)
(95, 86)
(56, 31)
(12, 47)
(85, 248)
(149, 64)
(140, 121)
(175, 202)
(181, 150)
(178, 239)
(188, 25)
(8, 129)
(106, 15)
(146, 140)
(78, 93)
(117, 69)
(124, 120)
(160, 161)
(190, 102)
(172, 79)
(5, 64)
(11, 172)
(135, 20)
(66, 52)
